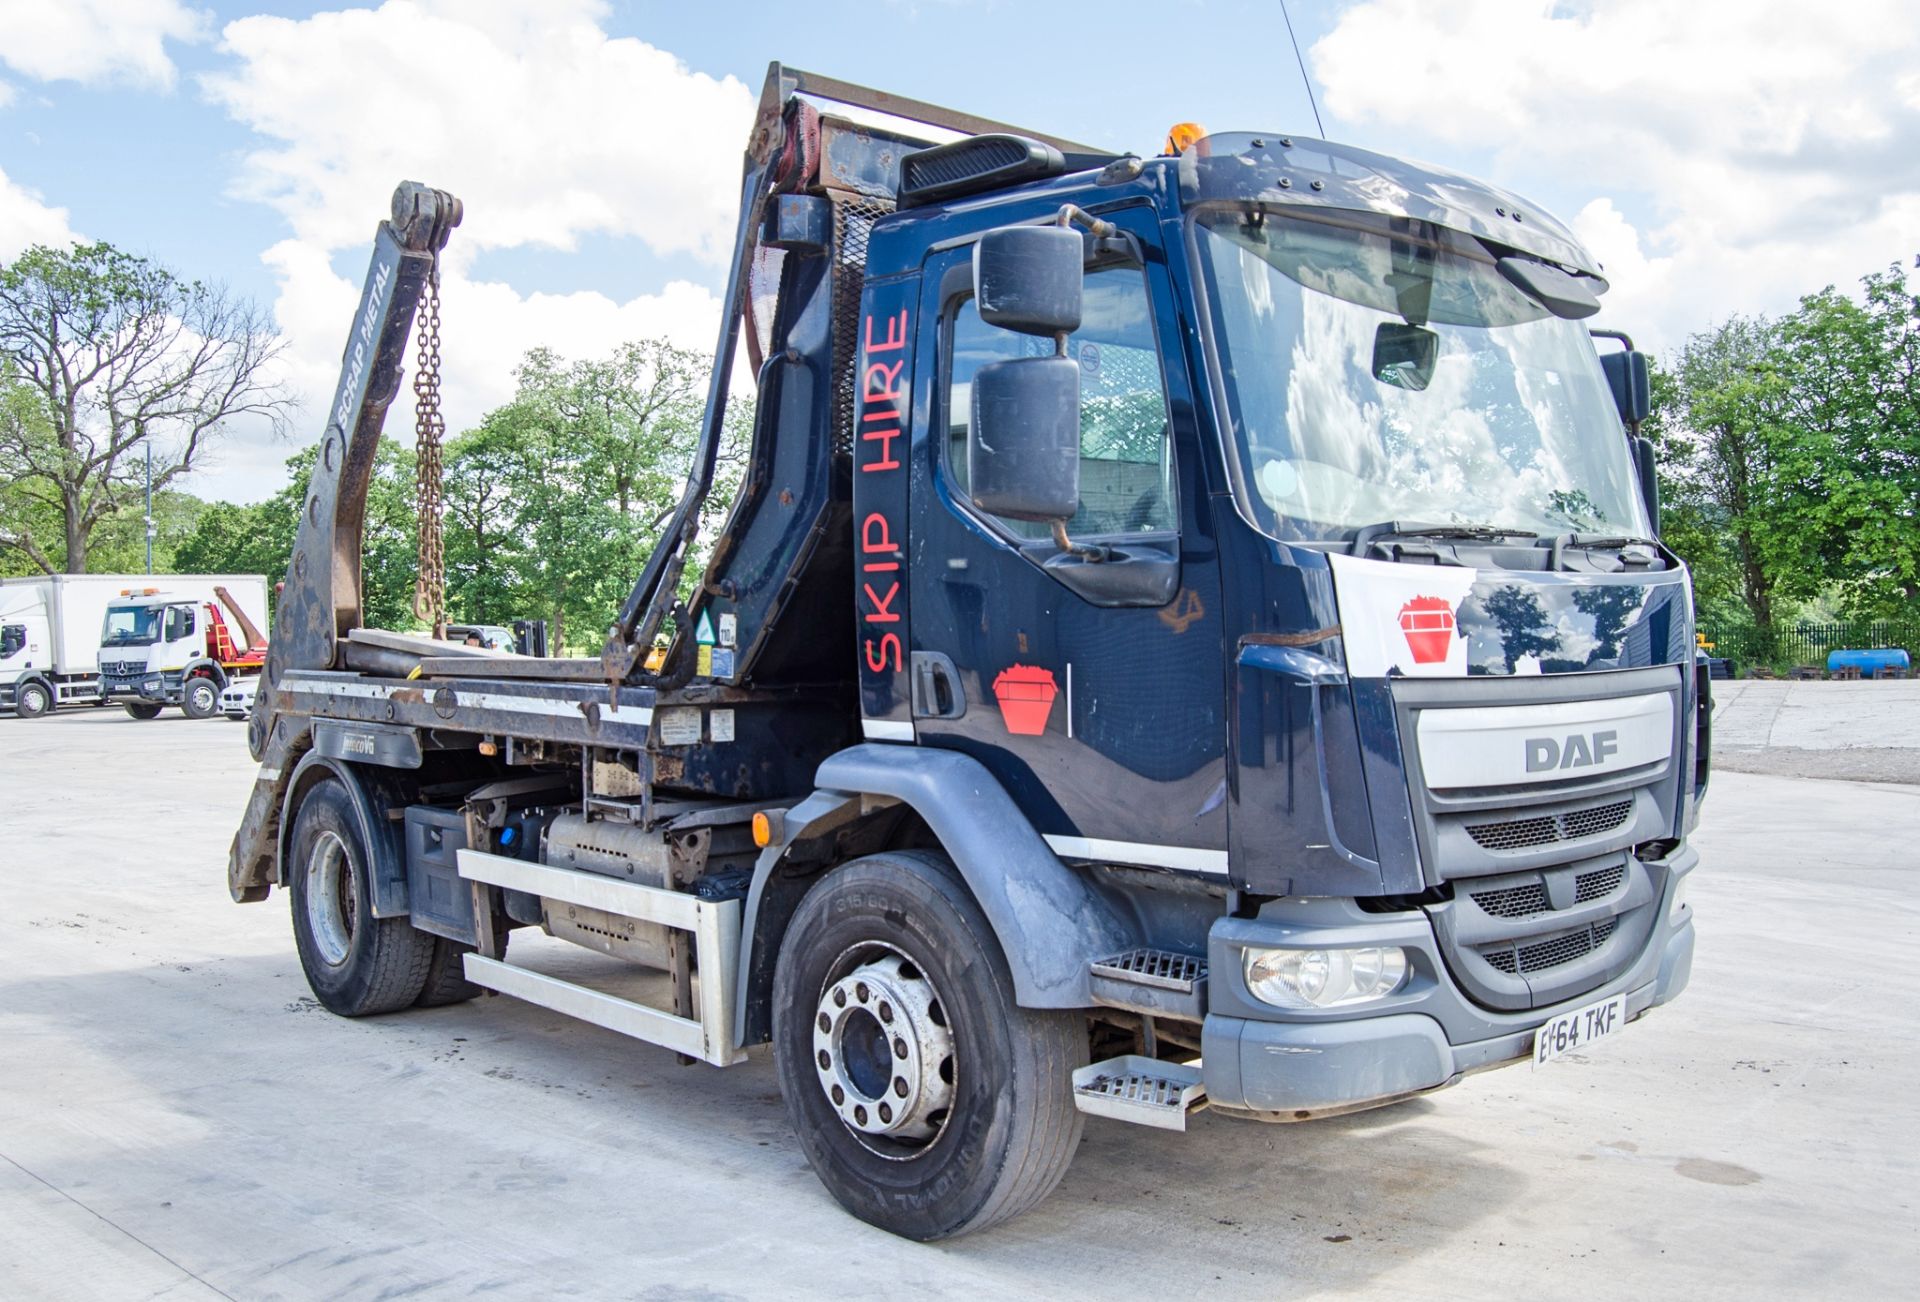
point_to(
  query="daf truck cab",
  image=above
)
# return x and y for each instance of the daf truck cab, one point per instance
(1193, 633)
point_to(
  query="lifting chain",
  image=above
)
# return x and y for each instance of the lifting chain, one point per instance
(430, 588)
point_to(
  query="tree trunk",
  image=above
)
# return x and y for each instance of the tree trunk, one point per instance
(76, 532)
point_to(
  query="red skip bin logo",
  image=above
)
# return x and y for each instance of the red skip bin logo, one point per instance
(1025, 693)
(1428, 624)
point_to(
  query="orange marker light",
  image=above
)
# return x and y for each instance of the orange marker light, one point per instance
(1181, 135)
(762, 830)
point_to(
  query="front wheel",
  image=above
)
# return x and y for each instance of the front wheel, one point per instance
(928, 1102)
(32, 700)
(143, 709)
(200, 699)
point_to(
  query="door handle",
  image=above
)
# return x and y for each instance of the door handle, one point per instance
(936, 686)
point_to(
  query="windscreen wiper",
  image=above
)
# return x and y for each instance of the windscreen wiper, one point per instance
(1370, 534)
(1611, 542)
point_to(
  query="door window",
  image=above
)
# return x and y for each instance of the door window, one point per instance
(1126, 440)
(179, 622)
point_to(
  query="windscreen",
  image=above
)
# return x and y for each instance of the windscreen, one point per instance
(1381, 369)
(131, 626)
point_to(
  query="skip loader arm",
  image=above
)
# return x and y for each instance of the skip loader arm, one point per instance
(321, 601)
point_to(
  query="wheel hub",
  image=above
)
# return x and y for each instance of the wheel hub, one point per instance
(332, 899)
(883, 1052)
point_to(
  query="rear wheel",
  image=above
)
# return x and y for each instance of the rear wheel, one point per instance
(928, 1102)
(447, 976)
(32, 700)
(143, 709)
(200, 699)
(356, 964)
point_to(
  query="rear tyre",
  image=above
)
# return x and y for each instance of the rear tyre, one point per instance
(447, 976)
(356, 964)
(200, 699)
(143, 709)
(32, 701)
(927, 1101)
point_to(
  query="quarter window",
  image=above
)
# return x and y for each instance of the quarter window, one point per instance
(1126, 444)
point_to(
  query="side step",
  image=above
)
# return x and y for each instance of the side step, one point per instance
(1145, 1091)
(1156, 982)
(715, 925)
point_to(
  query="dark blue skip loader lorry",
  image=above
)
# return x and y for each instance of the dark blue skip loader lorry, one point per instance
(1193, 633)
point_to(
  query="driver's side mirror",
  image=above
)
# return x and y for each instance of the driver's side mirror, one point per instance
(1632, 389)
(1023, 449)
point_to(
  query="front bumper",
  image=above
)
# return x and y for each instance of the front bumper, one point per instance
(1262, 1061)
(149, 687)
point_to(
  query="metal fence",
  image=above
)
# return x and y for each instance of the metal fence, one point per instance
(1808, 644)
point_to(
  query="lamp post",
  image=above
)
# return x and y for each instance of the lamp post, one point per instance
(150, 529)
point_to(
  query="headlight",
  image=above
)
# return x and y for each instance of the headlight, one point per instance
(1324, 978)
(1679, 907)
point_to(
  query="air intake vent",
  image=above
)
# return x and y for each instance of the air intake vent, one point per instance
(1525, 833)
(1555, 951)
(973, 165)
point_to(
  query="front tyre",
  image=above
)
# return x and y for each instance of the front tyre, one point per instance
(356, 964)
(927, 1101)
(143, 709)
(200, 699)
(32, 700)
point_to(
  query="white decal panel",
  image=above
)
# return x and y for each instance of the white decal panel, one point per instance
(1400, 619)
(1511, 745)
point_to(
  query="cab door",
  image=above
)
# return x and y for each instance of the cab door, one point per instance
(1093, 690)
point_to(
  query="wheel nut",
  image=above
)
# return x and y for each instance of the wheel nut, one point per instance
(826, 1060)
(899, 1047)
(839, 999)
(886, 1113)
(900, 1086)
(839, 1096)
(860, 992)
(826, 1023)
(886, 1012)
(859, 1115)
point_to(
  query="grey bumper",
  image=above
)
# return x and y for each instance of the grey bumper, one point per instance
(1289, 1069)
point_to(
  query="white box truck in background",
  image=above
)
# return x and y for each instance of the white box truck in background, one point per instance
(50, 638)
(52, 628)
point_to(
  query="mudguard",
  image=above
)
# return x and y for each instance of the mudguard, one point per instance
(1049, 922)
(388, 869)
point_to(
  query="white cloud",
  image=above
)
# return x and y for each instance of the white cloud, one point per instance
(95, 41)
(26, 219)
(1740, 152)
(547, 129)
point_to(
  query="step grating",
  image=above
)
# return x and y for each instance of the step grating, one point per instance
(1160, 968)
(1144, 1091)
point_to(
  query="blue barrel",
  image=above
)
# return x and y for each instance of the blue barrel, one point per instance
(1867, 662)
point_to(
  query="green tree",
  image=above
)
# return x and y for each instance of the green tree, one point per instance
(554, 503)
(116, 352)
(1742, 481)
(1851, 379)
(258, 539)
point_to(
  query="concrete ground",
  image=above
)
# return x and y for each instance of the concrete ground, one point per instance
(178, 1119)
(1868, 731)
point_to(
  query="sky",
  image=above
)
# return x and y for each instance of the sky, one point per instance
(1718, 156)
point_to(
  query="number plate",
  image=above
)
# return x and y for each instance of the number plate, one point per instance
(1578, 1029)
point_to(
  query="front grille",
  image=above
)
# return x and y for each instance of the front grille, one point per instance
(1598, 883)
(1513, 901)
(1546, 829)
(1555, 951)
